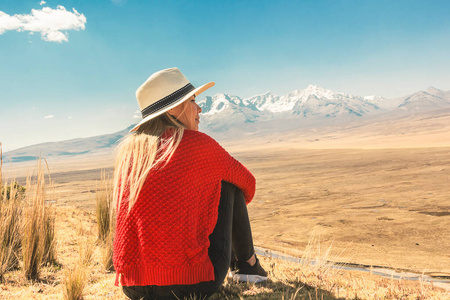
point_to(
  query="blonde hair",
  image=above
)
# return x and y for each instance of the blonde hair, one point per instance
(141, 151)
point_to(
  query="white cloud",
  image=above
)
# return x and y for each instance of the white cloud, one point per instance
(49, 117)
(136, 117)
(52, 24)
(42, 3)
(69, 117)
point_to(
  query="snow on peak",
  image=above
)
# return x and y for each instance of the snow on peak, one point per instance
(268, 102)
(433, 91)
(219, 102)
(315, 88)
(374, 99)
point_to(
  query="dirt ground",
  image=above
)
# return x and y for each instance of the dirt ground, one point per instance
(374, 207)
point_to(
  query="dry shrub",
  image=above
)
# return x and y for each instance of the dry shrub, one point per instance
(38, 241)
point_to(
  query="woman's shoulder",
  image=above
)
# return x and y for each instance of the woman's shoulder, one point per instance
(198, 136)
(201, 141)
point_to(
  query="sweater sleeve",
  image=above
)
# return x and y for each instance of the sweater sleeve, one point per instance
(231, 170)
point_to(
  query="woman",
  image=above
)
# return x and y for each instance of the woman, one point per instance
(180, 199)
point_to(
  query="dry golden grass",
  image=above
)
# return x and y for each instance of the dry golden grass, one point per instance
(105, 220)
(74, 283)
(107, 253)
(49, 235)
(76, 278)
(76, 250)
(11, 225)
(39, 222)
(32, 245)
(103, 207)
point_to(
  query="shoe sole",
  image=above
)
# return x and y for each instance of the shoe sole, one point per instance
(249, 278)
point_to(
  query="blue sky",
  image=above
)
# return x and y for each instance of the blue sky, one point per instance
(80, 81)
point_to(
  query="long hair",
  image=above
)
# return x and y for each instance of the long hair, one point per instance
(141, 151)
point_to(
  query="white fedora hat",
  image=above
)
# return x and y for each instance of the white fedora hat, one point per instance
(163, 91)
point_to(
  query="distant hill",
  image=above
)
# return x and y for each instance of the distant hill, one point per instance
(430, 99)
(72, 147)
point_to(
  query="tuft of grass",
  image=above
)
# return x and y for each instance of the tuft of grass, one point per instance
(32, 242)
(107, 253)
(76, 279)
(104, 212)
(38, 240)
(75, 282)
(10, 224)
(103, 207)
(86, 252)
(49, 235)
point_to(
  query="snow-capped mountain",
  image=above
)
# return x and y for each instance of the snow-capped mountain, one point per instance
(269, 102)
(223, 111)
(318, 102)
(381, 102)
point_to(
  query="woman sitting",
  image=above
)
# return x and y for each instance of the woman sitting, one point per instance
(180, 200)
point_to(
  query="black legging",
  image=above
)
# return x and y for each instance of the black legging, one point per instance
(232, 231)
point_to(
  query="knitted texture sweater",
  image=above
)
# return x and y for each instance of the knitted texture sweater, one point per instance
(164, 240)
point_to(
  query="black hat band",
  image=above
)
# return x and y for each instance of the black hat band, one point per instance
(168, 100)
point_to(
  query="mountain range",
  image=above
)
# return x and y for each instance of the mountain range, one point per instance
(225, 114)
(223, 111)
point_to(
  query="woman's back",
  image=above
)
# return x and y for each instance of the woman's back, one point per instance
(178, 202)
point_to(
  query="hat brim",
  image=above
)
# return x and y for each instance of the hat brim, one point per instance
(195, 92)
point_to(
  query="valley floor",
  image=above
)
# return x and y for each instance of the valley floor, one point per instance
(380, 207)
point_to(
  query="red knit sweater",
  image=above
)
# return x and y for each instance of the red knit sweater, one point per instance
(164, 239)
